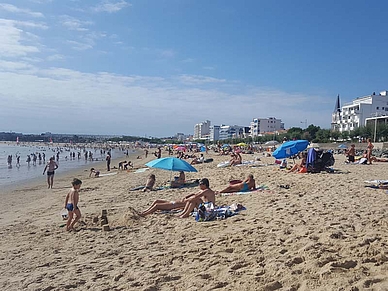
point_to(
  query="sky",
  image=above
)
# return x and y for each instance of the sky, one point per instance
(155, 68)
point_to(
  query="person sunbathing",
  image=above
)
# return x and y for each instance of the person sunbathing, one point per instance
(188, 203)
(179, 181)
(199, 160)
(298, 167)
(150, 183)
(236, 159)
(247, 185)
(375, 159)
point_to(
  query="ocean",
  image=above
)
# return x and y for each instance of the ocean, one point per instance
(12, 173)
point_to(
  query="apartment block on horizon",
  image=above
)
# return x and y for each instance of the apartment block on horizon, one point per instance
(202, 130)
(262, 125)
(356, 113)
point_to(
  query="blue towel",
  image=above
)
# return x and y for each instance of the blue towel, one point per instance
(311, 157)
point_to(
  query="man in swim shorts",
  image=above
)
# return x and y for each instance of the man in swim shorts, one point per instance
(188, 203)
(50, 167)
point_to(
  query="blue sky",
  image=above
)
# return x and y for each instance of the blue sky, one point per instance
(155, 68)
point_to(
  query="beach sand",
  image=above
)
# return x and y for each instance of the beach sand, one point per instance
(326, 232)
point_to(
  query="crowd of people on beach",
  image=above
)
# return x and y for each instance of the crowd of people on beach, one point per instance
(205, 195)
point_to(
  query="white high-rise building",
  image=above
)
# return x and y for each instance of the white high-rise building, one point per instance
(214, 133)
(262, 125)
(354, 114)
(202, 130)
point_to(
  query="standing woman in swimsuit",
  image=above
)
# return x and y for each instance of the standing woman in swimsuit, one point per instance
(50, 167)
(369, 149)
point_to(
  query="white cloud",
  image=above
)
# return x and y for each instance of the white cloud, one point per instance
(13, 9)
(111, 6)
(152, 105)
(197, 80)
(13, 40)
(79, 46)
(28, 24)
(14, 66)
(72, 23)
(41, 1)
(55, 57)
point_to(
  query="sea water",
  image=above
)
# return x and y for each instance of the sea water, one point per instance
(13, 174)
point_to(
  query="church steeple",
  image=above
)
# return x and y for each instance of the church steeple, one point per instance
(336, 116)
(337, 108)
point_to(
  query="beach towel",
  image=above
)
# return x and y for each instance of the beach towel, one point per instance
(378, 182)
(223, 164)
(142, 170)
(108, 174)
(311, 157)
(258, 189)
(142, 187)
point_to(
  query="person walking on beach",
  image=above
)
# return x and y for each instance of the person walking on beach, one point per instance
(351, 153)
(369, 149)
(71, 204)
(50, 167)
(108, 158)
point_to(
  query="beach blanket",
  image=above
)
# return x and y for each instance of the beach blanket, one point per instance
(142, 187)
(378, 182)
(251, 163)
(142, 170)
(208, 212)
(108, 174)
(223, 164)
(258, 189)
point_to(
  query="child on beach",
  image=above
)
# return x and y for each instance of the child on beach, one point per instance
(71, 204)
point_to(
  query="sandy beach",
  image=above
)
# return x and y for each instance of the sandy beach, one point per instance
(327, 231)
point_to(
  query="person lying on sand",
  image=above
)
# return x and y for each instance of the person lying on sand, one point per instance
(188, 203)
(94, 172)
(247, 185)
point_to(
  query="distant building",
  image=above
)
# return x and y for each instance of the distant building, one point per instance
(214, 133)
(262, 125)
(180, 136)
(231, 131)
(355, 114)
(202, 130)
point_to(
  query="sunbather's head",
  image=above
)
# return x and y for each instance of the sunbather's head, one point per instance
(205, 182)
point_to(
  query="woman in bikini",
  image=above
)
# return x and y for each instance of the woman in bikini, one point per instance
(247, 185)
(298, 167)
